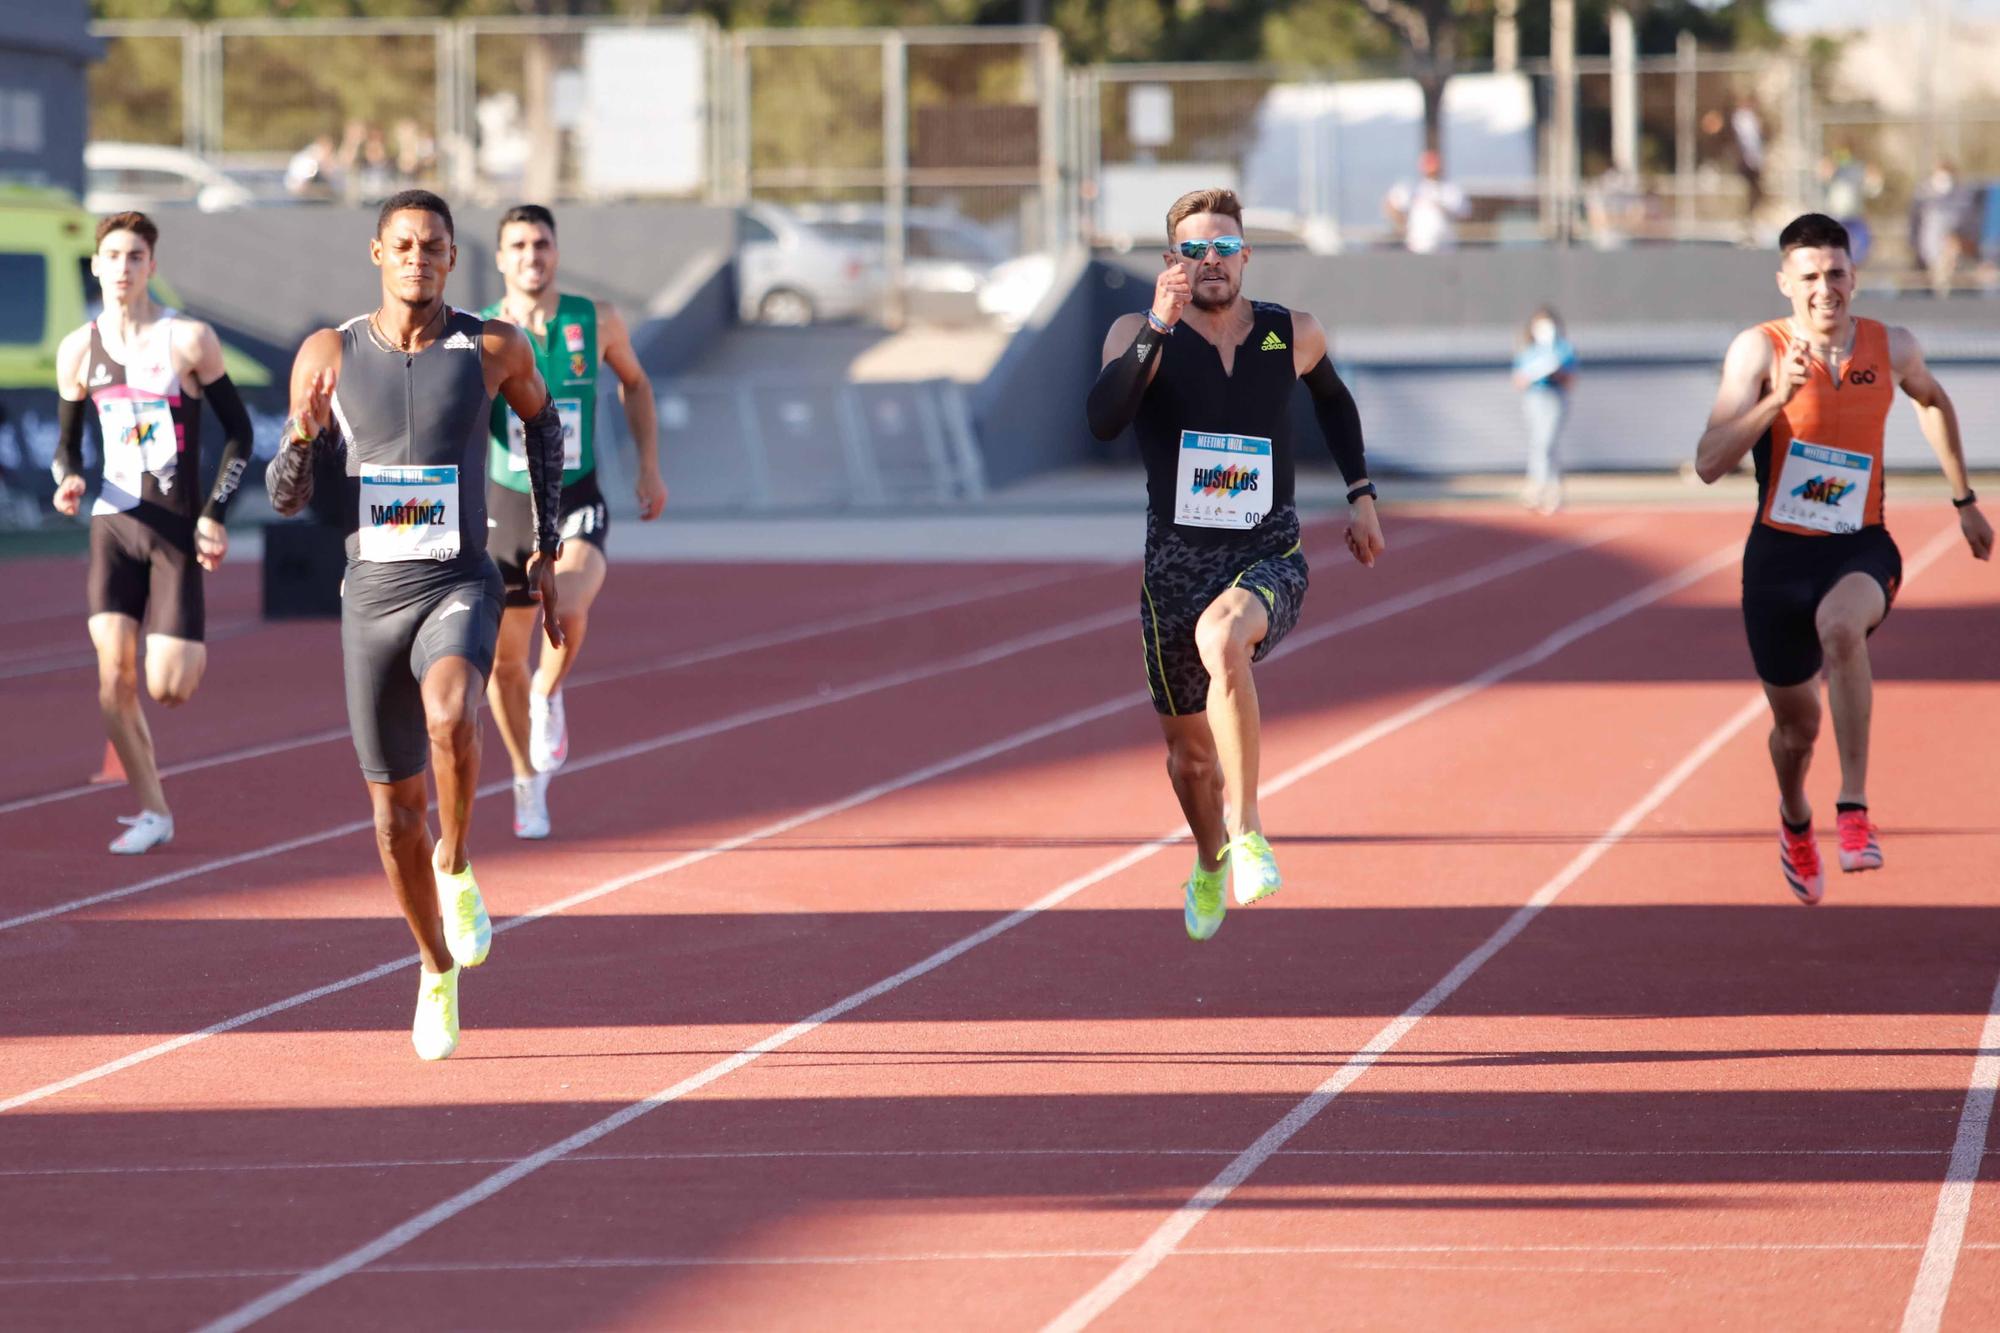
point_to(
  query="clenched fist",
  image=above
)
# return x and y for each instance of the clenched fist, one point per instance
(1171, 293)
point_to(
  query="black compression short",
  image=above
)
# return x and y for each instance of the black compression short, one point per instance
(144, 567)
(396, 622)
(1182, 578)
(511, 528)
(1785, 577)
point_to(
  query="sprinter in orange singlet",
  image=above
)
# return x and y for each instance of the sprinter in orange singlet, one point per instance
(1806, 397)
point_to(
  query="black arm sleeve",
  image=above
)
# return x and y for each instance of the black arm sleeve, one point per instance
(289, 478)
(1114, 399)
(69, 438)
(545, 469)
(1339, 420)
(236, 445)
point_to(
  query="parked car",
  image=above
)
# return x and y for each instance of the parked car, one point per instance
(789, 272)
(120, 176)
(829, 261)
(943, 251)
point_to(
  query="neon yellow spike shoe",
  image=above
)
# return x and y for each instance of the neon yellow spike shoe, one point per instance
(435, 1030)
(1253, 871)
(1204, 906)
(467, 930)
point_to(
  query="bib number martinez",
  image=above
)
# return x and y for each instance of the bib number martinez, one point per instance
(409, 513)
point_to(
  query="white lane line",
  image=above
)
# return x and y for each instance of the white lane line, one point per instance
(1167, 1237)
(729, 648)
(1928, 1295)
(586, 1263)
(1364, 616)
(925, 1154)
(676, 661)
(1486, 573)
(1925, 1311)
(43, 662)
(394, 1239)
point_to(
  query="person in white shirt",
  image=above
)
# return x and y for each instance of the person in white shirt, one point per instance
(1428, 211)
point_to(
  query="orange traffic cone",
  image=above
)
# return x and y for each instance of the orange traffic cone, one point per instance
(112, 770)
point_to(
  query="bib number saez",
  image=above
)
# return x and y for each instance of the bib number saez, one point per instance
(1822, 489)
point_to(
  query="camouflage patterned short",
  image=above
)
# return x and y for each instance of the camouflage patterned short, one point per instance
(1182, 578)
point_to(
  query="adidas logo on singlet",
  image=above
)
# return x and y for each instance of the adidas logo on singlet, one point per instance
(1273, 343)
(461, 342)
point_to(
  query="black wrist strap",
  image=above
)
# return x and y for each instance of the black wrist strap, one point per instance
(1366, 488)
(1971, 498)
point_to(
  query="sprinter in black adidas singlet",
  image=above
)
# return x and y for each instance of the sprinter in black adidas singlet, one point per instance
(402, 398)
(1206, 377)
(145, 371)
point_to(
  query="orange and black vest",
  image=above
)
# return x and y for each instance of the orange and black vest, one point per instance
(1847, 416)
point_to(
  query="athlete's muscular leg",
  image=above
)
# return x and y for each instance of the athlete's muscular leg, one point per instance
(1232, 627)
(508, 690)
(452, 687)
(579, 578)
(116, 638)
(1794, 729)
(174, 668)
(1197, 780)
(1854, 606)
(403, 840)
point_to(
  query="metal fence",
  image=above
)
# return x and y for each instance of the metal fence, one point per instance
(555, 108)
(987, 123)
(1315, 153)
(820, 444)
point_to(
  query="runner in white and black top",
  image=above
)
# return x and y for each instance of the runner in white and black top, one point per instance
(146, 371)
(403, 397)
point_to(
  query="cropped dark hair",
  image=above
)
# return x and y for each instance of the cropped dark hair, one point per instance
(1813, 231)
(137, 223)
(419, 199)
(533, 213)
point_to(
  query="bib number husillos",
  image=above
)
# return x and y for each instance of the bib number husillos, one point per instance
(571, 412)
(1822, 489)
(1224, 481)
(409, 513)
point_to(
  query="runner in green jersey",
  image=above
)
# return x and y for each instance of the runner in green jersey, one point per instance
(571, 335)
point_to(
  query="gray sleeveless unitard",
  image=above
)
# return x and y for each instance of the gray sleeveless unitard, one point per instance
(403, 415)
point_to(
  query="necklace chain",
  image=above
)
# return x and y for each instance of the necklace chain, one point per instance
(374, 324)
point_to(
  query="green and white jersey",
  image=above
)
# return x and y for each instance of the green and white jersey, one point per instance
(568, 356)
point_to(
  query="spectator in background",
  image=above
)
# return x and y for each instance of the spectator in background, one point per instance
(1544, 369)
(311, 172)
(375, 168)
(1938, 217)
(1846, 185)
(1427, 212)
(416, 152)
(1741, 135)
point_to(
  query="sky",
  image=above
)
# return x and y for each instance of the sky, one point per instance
(1822, 15)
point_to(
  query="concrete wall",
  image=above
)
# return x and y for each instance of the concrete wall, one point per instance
(1028, 411)
(269, 276)
(1646, 285)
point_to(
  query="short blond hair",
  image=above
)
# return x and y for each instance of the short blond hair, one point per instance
(1219, 201)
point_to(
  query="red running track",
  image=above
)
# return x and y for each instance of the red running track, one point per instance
(852, 990)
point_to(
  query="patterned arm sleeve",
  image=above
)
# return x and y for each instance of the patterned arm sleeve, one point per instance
(289, 478)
